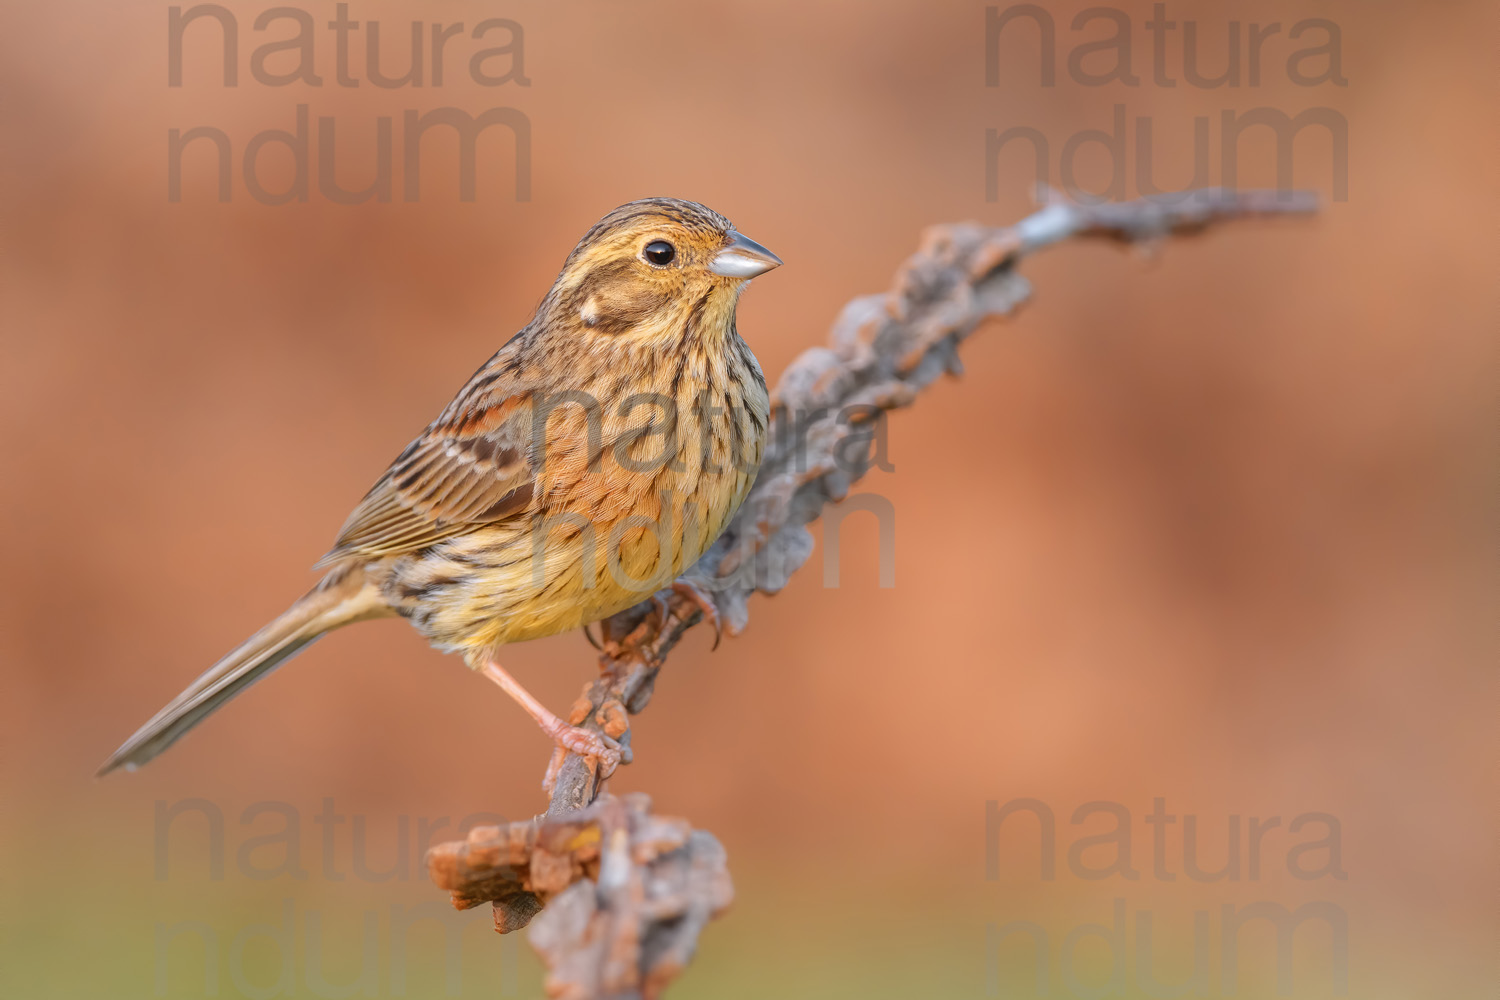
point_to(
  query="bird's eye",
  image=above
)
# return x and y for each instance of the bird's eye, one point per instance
(660, 252)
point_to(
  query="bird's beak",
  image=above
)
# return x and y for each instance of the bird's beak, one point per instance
(742, 257)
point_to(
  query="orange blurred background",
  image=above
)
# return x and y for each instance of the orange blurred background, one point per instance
(1207, 527)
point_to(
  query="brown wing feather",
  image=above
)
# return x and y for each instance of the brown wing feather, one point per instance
(472, 466)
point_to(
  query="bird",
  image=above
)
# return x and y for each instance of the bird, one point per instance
(589, 462)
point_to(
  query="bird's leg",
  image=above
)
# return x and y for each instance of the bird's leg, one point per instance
(704, 602)
(604, 751)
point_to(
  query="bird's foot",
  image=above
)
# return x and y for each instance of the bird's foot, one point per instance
(601, 749)
(704, 601)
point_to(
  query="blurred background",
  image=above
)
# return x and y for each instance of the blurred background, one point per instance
(1209, 528)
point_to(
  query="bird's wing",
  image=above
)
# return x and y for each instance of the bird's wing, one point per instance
(471, 467)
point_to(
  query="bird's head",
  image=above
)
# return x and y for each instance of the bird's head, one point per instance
(651, 268)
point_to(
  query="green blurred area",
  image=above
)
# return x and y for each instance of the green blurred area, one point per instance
(121, 925)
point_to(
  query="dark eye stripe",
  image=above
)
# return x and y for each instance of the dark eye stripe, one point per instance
(620, 298)
(604, 276)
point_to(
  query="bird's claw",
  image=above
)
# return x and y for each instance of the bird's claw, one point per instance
(704, 603)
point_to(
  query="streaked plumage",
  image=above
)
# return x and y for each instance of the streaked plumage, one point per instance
(627, 408)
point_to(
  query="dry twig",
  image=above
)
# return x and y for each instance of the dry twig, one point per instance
(627, 892)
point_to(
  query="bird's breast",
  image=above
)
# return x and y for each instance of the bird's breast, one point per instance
(627, 497)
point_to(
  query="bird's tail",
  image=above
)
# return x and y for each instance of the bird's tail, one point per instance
(342, 598)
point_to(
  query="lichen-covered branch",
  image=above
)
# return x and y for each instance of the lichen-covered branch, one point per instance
(626, 892)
